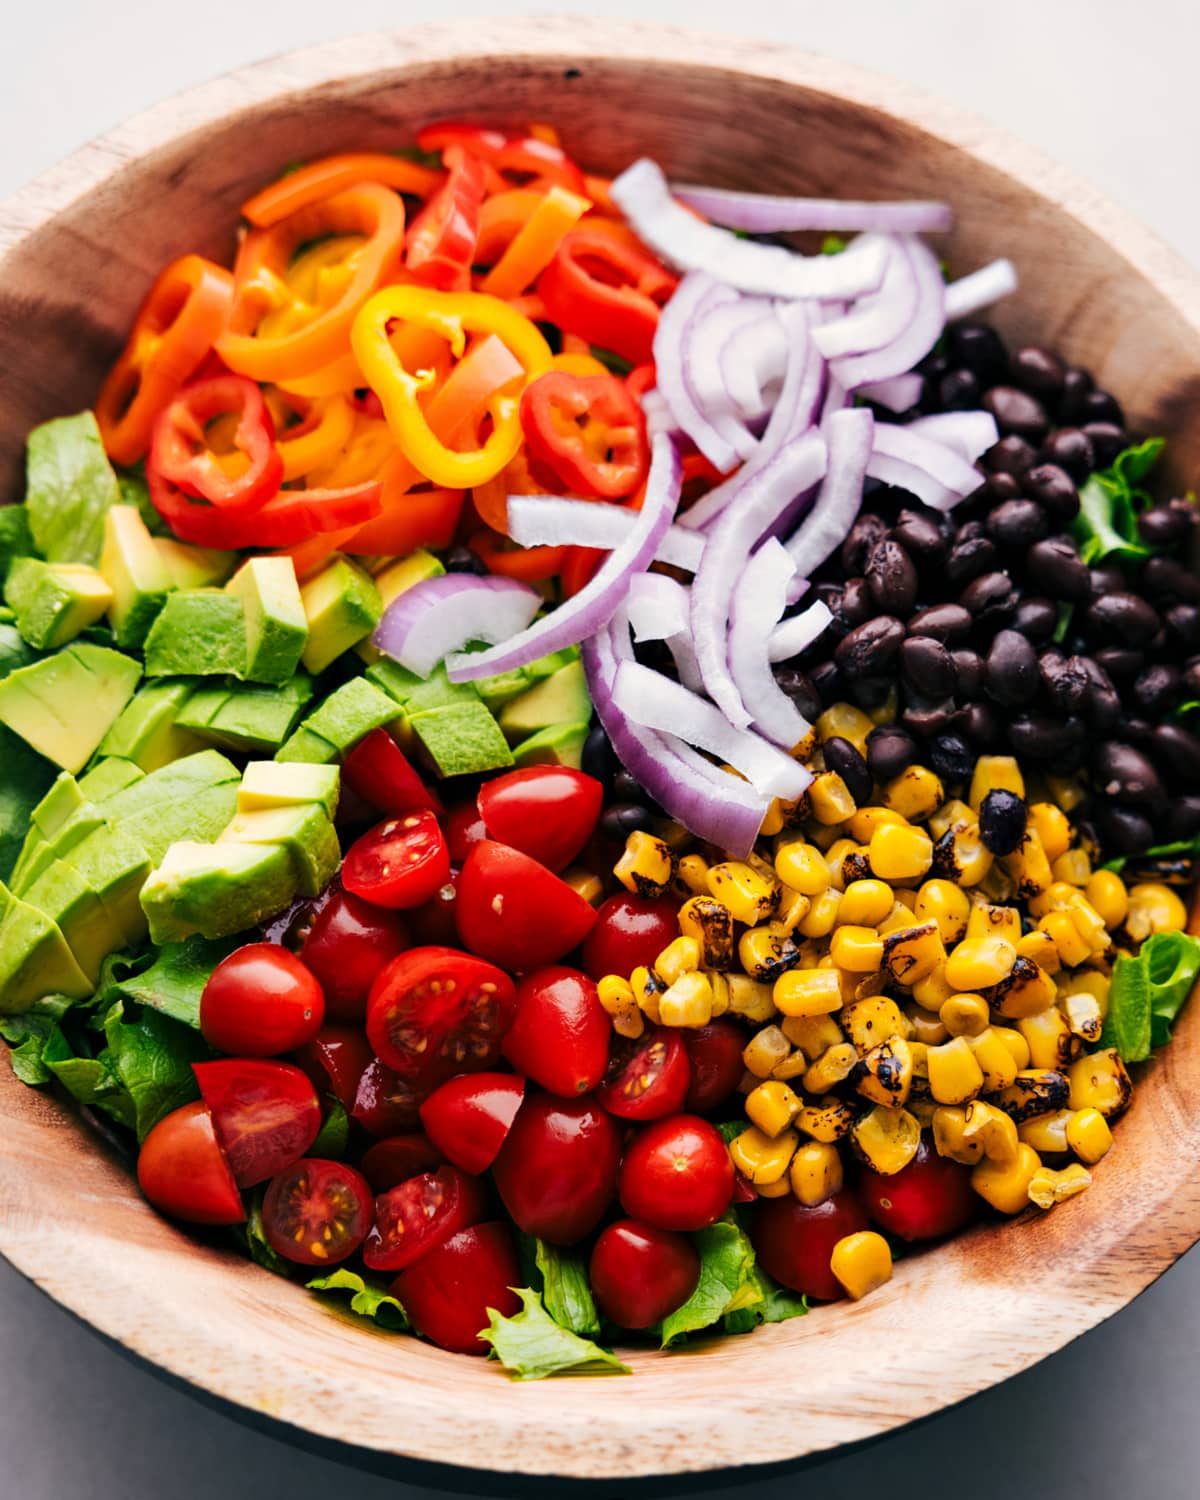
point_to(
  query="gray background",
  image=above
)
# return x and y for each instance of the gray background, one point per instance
(1108, 88)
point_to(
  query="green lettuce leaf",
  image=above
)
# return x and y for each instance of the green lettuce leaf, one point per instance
(1109, 502)
(27, 1035)
(727, 1281)
(170, 980)
(1148, 991)
(153, 1056)
(15, 537)
(91, 1080)
(776, 1305)
(70, 487)
(25, 778)
(1159, 851)
(334, 1134)
(253, 1240)
(366, 1300)
(532, 1346)
(566, 1290)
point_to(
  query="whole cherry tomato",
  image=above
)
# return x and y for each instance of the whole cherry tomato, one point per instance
(435, 924)
(513, 911)
(469, 1118)
(335, 1060)
(640, 1274)
(379, 772)
(929, 1198)
(419, 1214)
(349, 942)
(677, 1174)
(266, 1114)
(647, 1078)
(400, 863)
(794, 1242)
(388, 1163)
(557, 1171)
(183, 1171)
(464, 829)
(448, 1293)
(547, 812)
(630, 931)
(560, 1034)
(386, 1104)
(259, 1002)
(715, 1053)
(317, 1212)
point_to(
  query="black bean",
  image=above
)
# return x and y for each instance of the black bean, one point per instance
(1054, 568)
(1185, 815)
(952, 758)
(800, 688)
(598, 758)
(842, 757)
(1017, 414)
(1069, 449)
(1012, 669)
(1168, 581)
(1103, 710)
(1125, 774)
(920, 536)
(1123, 830)
(1106, 578)
(623, 818)
(1122, 618)
(1017, 523)
(870, 693)
(1191, 678)
(1054, 490)
(1179, 750)
(891, 577)
(1183, 623)
(926, 717)
(926, 664)
(463, 560)
(1035, 618)
(968, 558)
(827, 680)
(959, 390)
(1065, 682)
(1101, 407)
(1038, 370)
(1164, 525)
(1155, 691)
(890, 750)
(1077, 382)
(1107, 440)
(978, 347)
(1122, 663)
(1002, 819)
(968, 673)
(979, 723)
(943, 622)
(990, 597)
(868, 529)
(1011, 455)
(1043, 737)
(870, 648)
(1001, 486)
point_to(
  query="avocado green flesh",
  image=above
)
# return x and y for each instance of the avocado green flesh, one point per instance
(342, 605)
(148, 732)
(200, 633)
(34, 958)
(275, 623)
(54, 602)
(560, 699)
(216, 889)
(345, 717)
(271, 784)
(136, 574)
(559, 745)
(305, 832)
(64, 705)
(244, 716)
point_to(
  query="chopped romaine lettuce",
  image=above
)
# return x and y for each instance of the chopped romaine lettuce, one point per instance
(727, 1281)
(70, 486)
(565, 1289)
(367, 1300)
(1109, 502)
(170, 979)
(1147, 993)
(531, 1345)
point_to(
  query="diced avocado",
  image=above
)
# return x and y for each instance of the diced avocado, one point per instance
(276, 625)
(216, 889)
(194, 567)
(342, 605)
(108, 777)
(63, 896)
(342, 720)
(199, 633)
(15, 538)
(53, 602)
(61, 802)
(417, 695)
(115, 863)
(559, 745)
(245, 716)
(559, 699)
(63, 818)
(395, 580)
(305, 747)
(502, 689)
(197, 811)
(305, 831)
(65, 704)
(69, 486)
(136, 573)
(269, 784)
(462, 740)
(35, 960)
(148, 732)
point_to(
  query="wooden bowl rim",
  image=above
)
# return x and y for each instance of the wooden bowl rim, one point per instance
(591, 1429)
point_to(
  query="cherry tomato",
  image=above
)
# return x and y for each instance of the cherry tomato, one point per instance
(744, 1190)
(547, 812)
(435, 924)
(561, 1032)
(468, 1119)
(266, 1114)
(448, 1292)
(640, 1273)
(715, 1053)
(184, 1172)
(647, 1078)
(399, 864)
(925, 1200)
(515, 912)
(335, 1060)
(388, 1163)
(419, 1214)
(794, 1242)
(317, 1212)
(557, 1171)
(380, 773)
(259, 1002)
(385, 1103)
(349, 942)
(464, 829)
(630, 931)
(434, 1012)
(677, 1174)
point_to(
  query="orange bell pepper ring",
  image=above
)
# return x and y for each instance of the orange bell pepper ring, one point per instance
(334, 174)
(317, 438)
(535, 244)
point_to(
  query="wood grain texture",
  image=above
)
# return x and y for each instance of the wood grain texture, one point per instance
(77, 251)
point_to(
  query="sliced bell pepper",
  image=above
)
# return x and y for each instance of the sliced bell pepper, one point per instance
(520, 156)
(501, 219)
(641, 378)
(184, 313)
(535, 244)
(579, 364)
(181, 455)
(289, 517)
(507, 560)
(605, 287)
(440, 247)
(361, 458)
(590, 431)
(409, 519)
(317, 438)
(334, 174)
(579, 568)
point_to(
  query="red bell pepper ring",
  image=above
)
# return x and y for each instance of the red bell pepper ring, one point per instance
(607, 289)
(291, 516)
(589, 429)
(641, 379)
(441, 241)
(520, 156)
(180, 454)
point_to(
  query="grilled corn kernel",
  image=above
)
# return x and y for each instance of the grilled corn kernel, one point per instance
(867, 819)
(748, 894)
(802, 867)
(949, 1136)
(1005, 1185)
(719, 984)
(584, 883)
(1106, 891)
(861, 1262)
(1154, 908)
(829, 799)
(1026, 991)
(828, 1121)
(833, 1066)
(859, 950)
(865, 903)
(763, 1158)
(775, 819)
(899, 852)
(1088, 1135)
(996, 1061)
(962, 856)
(1067, 791)
(886, 1139)
(1070, 944)
(1052, 828)
(884, 1075)
(899, 919)
(1072, 867)
(816, 1172)
(1089, 924)
(954, 1074)
(844, 721)
(979, 963)
(1028, 866)
(646, 866)
(1034, 1091)
(767, 952)
(932, 992)
(708, 923)
(693, 871)
(965, 1015)
(750, 999)
(992, 1130)
(926, 1027)
(995, 773)
(813, 1035)
(793, 908)
(1017, 1046)
(647, 991)
(996, 887)
(677, 959)
(1099, 1081)
(835, 857)
(988, 920)
(765, 1050)
(822, 915)
(1047, 1134)
(688, 1002)
(1039, 947)
(1051, 1044)
(911, 954)
(951, 815)
(772, 1106)
(1046, 1187)
(914, 794)
(617, 998)
(808, 992)
(948, 905)
(1083, 1016)
(1057, 896)
(907, 897)
(1087, 982)
(872, 1020)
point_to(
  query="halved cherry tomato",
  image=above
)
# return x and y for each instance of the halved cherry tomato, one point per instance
(715, 1053)
(180, 455)
(560, 1034)
(677, 1174)
(794, 1241)
(929, 1198)
(523, 156)
(434, 1012)
(647, 1078)
(388, 1163)
(513, 911)
(464, 829)
(183, 1171)
(417, 1216)
(469, 1118)
(335, 1061)
(640, 1273)
(266, 1114)
(440, 244)
(259, 1002)
(557, 1171)
(349, 942)
(449, 1292)
(629, 933)
(589, 429)
(317, 1212)
(380, 772)
(400, 864)
(547, 812)
(385, 1103)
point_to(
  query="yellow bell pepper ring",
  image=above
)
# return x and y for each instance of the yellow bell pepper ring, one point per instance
(452, 316)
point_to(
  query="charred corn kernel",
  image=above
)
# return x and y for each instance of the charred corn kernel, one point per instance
(859, 950)
(646, 866)
(1072, 947)
(1005, 1185)
(962, 856)
(886, 1139)
(767, 952)
(677, 959)
(865, 903)
(914, 794)
(1051, 1044)
(987, 920)
(1034, 1091)
(674, 835)
(793, 908)
(765, 1051)
(1047, 1133)
(763, 1158)
(802, 867)
(1028, 866)
(1015, 1043)
(749, 998)
(867, 819)
(870, 1021)
(776, 818)
(831, 1120)
(900, 852)
(1154, 907)
(835, 857)
(719, 984)
(844, 721)
(1046, 1187)
(979, 963)
(1052, 827)
(708, 923)
(629, 1024)
(816, 1172)
(617, 998)
(951, 815)
(995, 773)
(793, 1066)
(1066, 791)
(862, 1263)
(926, 1027)
(647, 991)
(1026, 991)
(948, 905)
(1057, 896)
(1106, 891)
(1089, 924)
(932, 992)
(829, 799)
(1088, 1135)
(1039, 948)
(813, 1035)
(921, 1110)
(751, 896)
(965, 1015)
(688, 1002)
(992, 1130)
(949, 1136)
(1083, 1017)
(996, 1061)
(954, 1073)
(856, 865)
(884, 1075)
(808, 992)
(772, 1106)
(1099, 1081)
(907, 897)
(780, 1189)
(899, 919)
(1087, 982)
(693, 871)
(913, 953)
(833, 1066)
(1072, 867)
(996, 887)
(585, 884)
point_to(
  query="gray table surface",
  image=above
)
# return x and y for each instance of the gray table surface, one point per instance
(1109, 89)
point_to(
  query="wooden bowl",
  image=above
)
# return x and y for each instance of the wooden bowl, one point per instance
(79, 247)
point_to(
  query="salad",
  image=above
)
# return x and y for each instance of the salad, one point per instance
(592, 760)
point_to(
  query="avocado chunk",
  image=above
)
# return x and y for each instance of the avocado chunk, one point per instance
(342, 605)
(136, 573)
(15, 538)
(199, 633)
(148, 731)
(114, 862)
(398, 579)
(304, 831)
(191, 798)
(559, 745)
(342, 720)
(559, 699)
(65, 704)
(58, 806)
(60, 822)
(246, 717)
(108, 777)
(35, 960)
(70, 484)
(216, 889)
(53, 602)
(191, 567)
(66, 899)
(269, 784)
(461, 741)
(276, 625)
(503, 688)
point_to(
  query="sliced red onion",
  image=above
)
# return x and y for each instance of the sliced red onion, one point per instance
(710, 374)
(659, 609)
(659, 417)
(758, 603)
(877, 320)
(899, 394)
(554, 521)
(595, 604)
(656, 702)
(643, 196)
(439, 615)
(763, 213)
(980, 289)
(696, 293)
(969, 433)
(922, 331)
(931, 471)
(753, 359)
(848, 437)
(792, 636)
